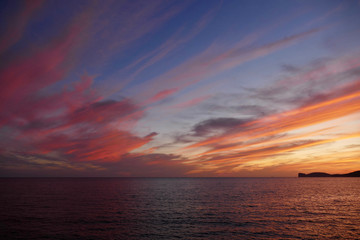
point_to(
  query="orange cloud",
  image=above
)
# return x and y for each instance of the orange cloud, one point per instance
(235, 161)
(330, 109)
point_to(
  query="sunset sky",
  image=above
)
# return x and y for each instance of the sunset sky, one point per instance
(179, 88)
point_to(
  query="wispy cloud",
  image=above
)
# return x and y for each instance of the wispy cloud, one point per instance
(211, 62)
(127, 88)
(173, 44)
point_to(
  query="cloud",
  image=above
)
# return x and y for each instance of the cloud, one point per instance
(83, 131)
(261, 152)
(308, 110)
(150, 165)
(43, 111)
(131, 165)
(328, 95)
(208, 126)
(213, 61)
(101, 146)
(137, 21)
(331, 162)
(289, 68)
(23, 77)
(51, 121)
(166, 49)
(163, 94)
(261, 156)
(102, 112)
(344, 101)
(310, 82)
(251, 110)
(192, 102)
(29, 165)
(72, 121)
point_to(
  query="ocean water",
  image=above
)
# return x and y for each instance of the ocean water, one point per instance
(180, 208)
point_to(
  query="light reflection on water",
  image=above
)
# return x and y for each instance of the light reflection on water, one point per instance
(188, 208)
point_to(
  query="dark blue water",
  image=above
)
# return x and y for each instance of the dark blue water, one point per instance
(180, 208)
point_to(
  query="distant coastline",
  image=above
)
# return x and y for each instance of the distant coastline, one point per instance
(322, 174)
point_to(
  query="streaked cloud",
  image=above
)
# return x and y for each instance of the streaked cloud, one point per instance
(184, 88)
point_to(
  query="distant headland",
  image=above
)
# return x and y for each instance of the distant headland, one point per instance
(322, 174)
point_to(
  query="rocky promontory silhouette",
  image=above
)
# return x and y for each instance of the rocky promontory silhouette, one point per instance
(322, 174)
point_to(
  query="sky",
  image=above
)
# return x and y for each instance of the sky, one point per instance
(179, 88)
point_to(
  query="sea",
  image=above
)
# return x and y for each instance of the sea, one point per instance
(180, 208)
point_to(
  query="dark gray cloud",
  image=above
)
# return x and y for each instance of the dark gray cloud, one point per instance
(252, 109)
(215, 124)
(290, 68)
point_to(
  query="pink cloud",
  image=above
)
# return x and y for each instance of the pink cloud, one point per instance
(102, 146)
(74, 122)
(83, 130)
(24, 77)
(163, 94)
